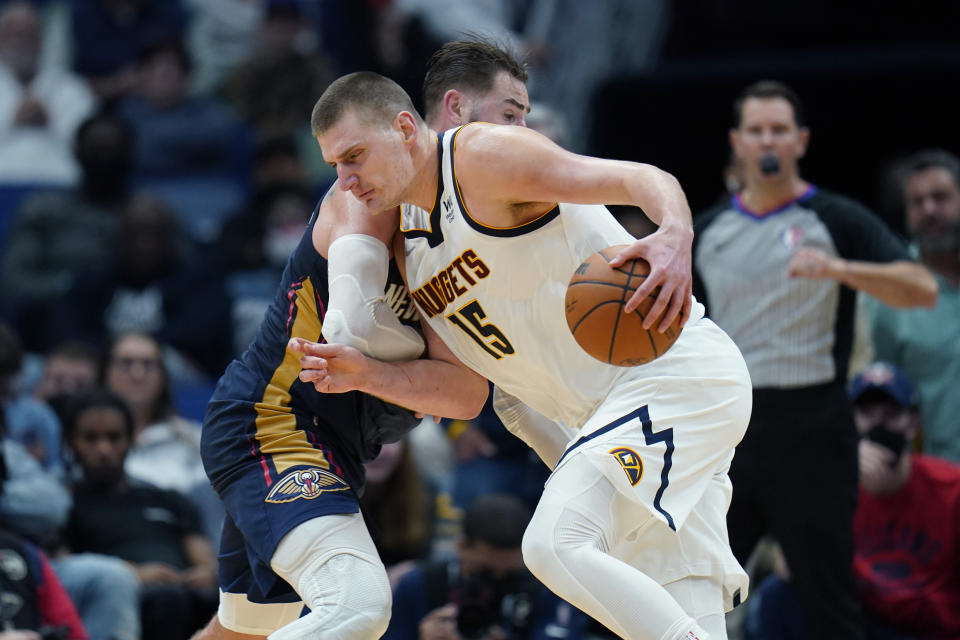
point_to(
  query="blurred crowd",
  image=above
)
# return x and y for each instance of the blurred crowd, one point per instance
(157, 170)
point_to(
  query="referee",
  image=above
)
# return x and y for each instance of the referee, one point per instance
(778, 267)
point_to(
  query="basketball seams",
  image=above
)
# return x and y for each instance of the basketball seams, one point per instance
(616, 322)
(653, 344)
(621, 268)
(650, 296)
(627, 289)
(602, 283)
(586, 314)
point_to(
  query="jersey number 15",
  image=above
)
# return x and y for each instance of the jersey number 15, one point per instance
(469, 318)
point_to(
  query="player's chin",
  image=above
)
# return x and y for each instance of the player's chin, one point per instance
(373, 209)
(376, 206)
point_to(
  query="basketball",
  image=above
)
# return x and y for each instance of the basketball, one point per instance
(594, 306)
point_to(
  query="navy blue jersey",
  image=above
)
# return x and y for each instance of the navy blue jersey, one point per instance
(261, 414)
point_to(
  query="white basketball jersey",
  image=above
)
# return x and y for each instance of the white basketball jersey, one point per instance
(496, 296)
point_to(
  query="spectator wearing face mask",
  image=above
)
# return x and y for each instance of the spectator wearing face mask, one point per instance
(906, 528)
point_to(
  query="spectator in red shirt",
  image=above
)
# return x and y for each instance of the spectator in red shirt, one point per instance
(906, 528)
(907, 525)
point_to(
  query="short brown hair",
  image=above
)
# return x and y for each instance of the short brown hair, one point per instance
(468, 65)
(769, 89)
(380, 97)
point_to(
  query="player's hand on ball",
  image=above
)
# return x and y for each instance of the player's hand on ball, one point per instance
(331, 368)
(670, 255)
(594, 307)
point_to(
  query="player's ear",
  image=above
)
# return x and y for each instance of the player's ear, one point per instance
(454, 106)
(406, 124)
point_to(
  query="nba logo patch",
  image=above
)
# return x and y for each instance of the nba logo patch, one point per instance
(631, 463)
(306, 484)
(792, 236)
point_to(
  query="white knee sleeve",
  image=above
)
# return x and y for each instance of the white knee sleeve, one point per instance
(358, 313)
(332, 564)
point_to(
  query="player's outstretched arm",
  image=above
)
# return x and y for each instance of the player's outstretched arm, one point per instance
(497, 168)
(355, 245)
(441, 385)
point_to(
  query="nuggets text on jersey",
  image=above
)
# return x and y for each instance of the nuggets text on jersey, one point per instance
(444, 287)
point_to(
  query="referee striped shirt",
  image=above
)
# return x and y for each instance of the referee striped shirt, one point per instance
(793, 332)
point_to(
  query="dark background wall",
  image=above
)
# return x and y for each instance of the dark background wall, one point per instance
(876, 84)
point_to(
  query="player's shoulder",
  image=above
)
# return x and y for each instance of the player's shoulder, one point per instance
(328, 218)
(340, 214)
(490, 160)
(488, 138)
(470, 130)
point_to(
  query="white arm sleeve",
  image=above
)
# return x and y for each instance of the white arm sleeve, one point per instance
(358, 314)
(548, 438)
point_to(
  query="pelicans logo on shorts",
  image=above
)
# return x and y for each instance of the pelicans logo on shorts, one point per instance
(631, 463)
(307, 484)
